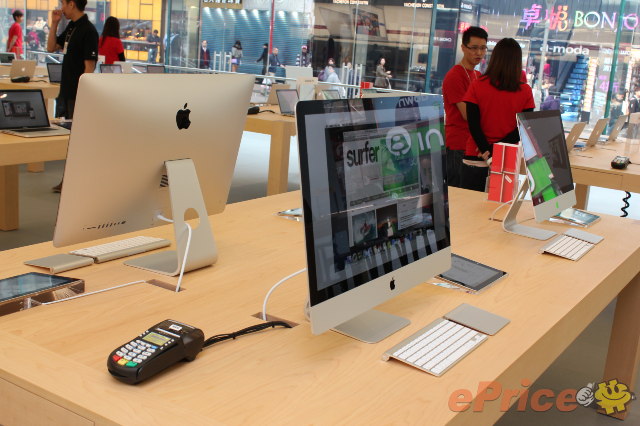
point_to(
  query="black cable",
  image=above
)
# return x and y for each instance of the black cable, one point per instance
(625, 200)
(254, 328)
(267, 110)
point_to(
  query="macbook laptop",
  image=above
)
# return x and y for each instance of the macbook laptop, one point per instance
(574, 134)
(127, 67)
(273, 98)
(259, 95)
(155, 69)
(20, 68)
(287, 99)
(331, 94)
(615, 130)
(23, 113)
(55, 73)
(110, 69)
(139, 69)
(7, 57)
(595, 134)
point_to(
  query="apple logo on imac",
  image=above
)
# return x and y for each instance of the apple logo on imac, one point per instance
(182, 118)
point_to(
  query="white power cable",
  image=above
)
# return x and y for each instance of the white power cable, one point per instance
(184, 261)
(266, 299)
(95, 292)
(498, 208)
(186, 251)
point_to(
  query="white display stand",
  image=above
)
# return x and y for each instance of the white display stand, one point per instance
(185, 194)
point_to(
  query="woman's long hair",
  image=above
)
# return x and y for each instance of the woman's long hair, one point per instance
(111, 28)
(505, 66)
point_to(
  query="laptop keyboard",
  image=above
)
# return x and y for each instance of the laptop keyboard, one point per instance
(34, 129)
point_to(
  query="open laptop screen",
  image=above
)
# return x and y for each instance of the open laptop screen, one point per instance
(22, 108)
(111, 68)
(287, 98)
(7, 57)
(155, 69)
(55, 72)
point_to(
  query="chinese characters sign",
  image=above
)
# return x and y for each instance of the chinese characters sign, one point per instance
(561, 18)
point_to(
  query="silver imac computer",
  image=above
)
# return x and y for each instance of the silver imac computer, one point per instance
(375, 207)
(127, 161)
(548, 171)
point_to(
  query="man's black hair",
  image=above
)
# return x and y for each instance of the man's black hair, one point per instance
(80, 4)
(473, 32)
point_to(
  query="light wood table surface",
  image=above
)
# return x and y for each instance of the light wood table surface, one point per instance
(592, 167)
(281, 129)
(53, 358)
(49, 91)
(15, 150)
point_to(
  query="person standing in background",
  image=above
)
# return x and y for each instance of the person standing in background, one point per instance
(110, 45)
(205, 56)
(303, 59)
(454, 86)
(264, 57)
(332, 77)
(274, 62)
(154, 39)
(14, 41)
(236, 56)
(79, 43)
(493, 101)
(382, 75)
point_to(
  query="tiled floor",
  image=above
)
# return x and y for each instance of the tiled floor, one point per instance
(580, 364)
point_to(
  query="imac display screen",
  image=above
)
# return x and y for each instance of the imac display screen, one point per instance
(373, 186)
(545, 155)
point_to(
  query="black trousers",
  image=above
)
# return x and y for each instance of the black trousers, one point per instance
(454, 166)
(474, 178)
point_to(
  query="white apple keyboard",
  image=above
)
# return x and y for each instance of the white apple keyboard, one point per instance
(436, 347)
(573, 244)
(123, 248)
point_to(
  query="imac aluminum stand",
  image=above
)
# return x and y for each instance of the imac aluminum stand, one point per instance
(372, 326)
(184, 193)
(510, 223)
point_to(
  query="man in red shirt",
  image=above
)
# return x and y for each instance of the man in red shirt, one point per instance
(454, 87)
(14, 42)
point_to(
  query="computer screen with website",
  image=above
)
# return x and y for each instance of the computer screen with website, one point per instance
(375, 201)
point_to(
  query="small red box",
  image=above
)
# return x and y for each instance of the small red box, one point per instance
(503, 176)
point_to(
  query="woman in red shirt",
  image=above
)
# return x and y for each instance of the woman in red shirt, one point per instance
(110, 45)
(492, 104)
(14, 42)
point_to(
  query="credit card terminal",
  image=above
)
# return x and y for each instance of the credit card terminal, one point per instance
(158, 348)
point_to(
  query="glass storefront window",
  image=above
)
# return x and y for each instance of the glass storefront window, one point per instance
(590, 62)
